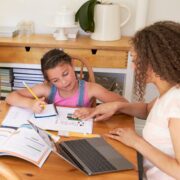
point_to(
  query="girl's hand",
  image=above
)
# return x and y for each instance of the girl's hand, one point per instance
(104, 111)
(125, 135)
(83, 113)
(38, 106)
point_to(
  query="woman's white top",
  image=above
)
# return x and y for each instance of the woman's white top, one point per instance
(156, 130)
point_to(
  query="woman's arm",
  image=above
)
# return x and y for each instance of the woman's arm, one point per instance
(106, 110)
(169, 165)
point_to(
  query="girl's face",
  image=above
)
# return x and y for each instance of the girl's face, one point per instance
(62, 76)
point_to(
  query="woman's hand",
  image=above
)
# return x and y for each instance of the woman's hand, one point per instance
(104, 111)
(125, 135)
(38, 106)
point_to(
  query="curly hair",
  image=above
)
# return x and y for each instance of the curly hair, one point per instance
(53, 58)
(157, 46)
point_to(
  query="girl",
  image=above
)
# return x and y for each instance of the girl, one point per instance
(62, 87)
(156, 57)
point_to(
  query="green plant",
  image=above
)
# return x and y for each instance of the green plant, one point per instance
(85, 15)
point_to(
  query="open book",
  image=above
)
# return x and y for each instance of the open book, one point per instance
(24, 143)
(52, 118)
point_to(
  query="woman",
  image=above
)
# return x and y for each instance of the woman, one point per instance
(156, 57)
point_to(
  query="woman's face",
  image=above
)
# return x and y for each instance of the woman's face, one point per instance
(134, 56)
(134, 62)
(62, 76)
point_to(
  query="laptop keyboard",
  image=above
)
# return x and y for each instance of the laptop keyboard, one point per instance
(90, 156)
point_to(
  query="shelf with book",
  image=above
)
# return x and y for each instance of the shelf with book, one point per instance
(112, 81)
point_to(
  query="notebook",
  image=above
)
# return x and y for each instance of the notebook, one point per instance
(91, 156)
(49, 111)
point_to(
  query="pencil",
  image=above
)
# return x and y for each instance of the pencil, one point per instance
(76, 134)
(30, 90)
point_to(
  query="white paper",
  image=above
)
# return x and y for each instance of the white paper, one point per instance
(16, 117)
(5, 133)
(72, 125)
(47, 123)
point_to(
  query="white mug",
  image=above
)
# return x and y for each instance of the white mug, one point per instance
(108, 21)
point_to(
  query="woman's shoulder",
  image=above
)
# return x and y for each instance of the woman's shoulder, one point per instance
(174, 92)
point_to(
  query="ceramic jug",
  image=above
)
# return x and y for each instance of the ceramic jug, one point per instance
(108, 24)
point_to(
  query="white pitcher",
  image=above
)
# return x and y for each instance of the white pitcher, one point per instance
(108, 21)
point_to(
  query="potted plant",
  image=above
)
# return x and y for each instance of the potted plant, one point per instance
(85, 15)
(102, 19)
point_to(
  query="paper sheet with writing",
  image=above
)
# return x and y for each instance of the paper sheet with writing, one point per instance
(17, 116)
(73, 125)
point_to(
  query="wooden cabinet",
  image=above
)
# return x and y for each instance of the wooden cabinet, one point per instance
(100, 54)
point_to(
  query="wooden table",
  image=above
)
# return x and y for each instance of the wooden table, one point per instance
(56, 168)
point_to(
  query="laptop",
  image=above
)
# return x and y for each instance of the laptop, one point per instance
(90, 155)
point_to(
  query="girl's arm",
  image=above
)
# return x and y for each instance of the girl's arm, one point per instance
(23, 98)
(102, 94)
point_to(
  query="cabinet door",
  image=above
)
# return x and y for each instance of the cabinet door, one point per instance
(32, 55)
(21, 54)
(102, 58)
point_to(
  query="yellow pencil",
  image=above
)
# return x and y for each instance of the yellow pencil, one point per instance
(76, 134)
(30, 90)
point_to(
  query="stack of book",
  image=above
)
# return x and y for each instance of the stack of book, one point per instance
(6, 31)
(6, 79)
(29, 76)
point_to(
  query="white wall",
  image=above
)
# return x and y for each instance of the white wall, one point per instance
(43, 11)
(163, 10)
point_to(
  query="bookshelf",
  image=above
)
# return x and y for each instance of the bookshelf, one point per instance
(104, 57)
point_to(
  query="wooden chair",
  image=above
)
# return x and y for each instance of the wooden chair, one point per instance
(7, 173)
(84, 66)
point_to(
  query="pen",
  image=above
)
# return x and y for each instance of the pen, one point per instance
(32, 93)
(75, 134)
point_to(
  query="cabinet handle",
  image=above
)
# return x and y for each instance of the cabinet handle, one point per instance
(93, 51)
(28, 48)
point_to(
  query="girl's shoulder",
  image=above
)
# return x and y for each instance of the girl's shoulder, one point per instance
(94, 88)
(92, 85)
(43, 85)
(42, 88)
